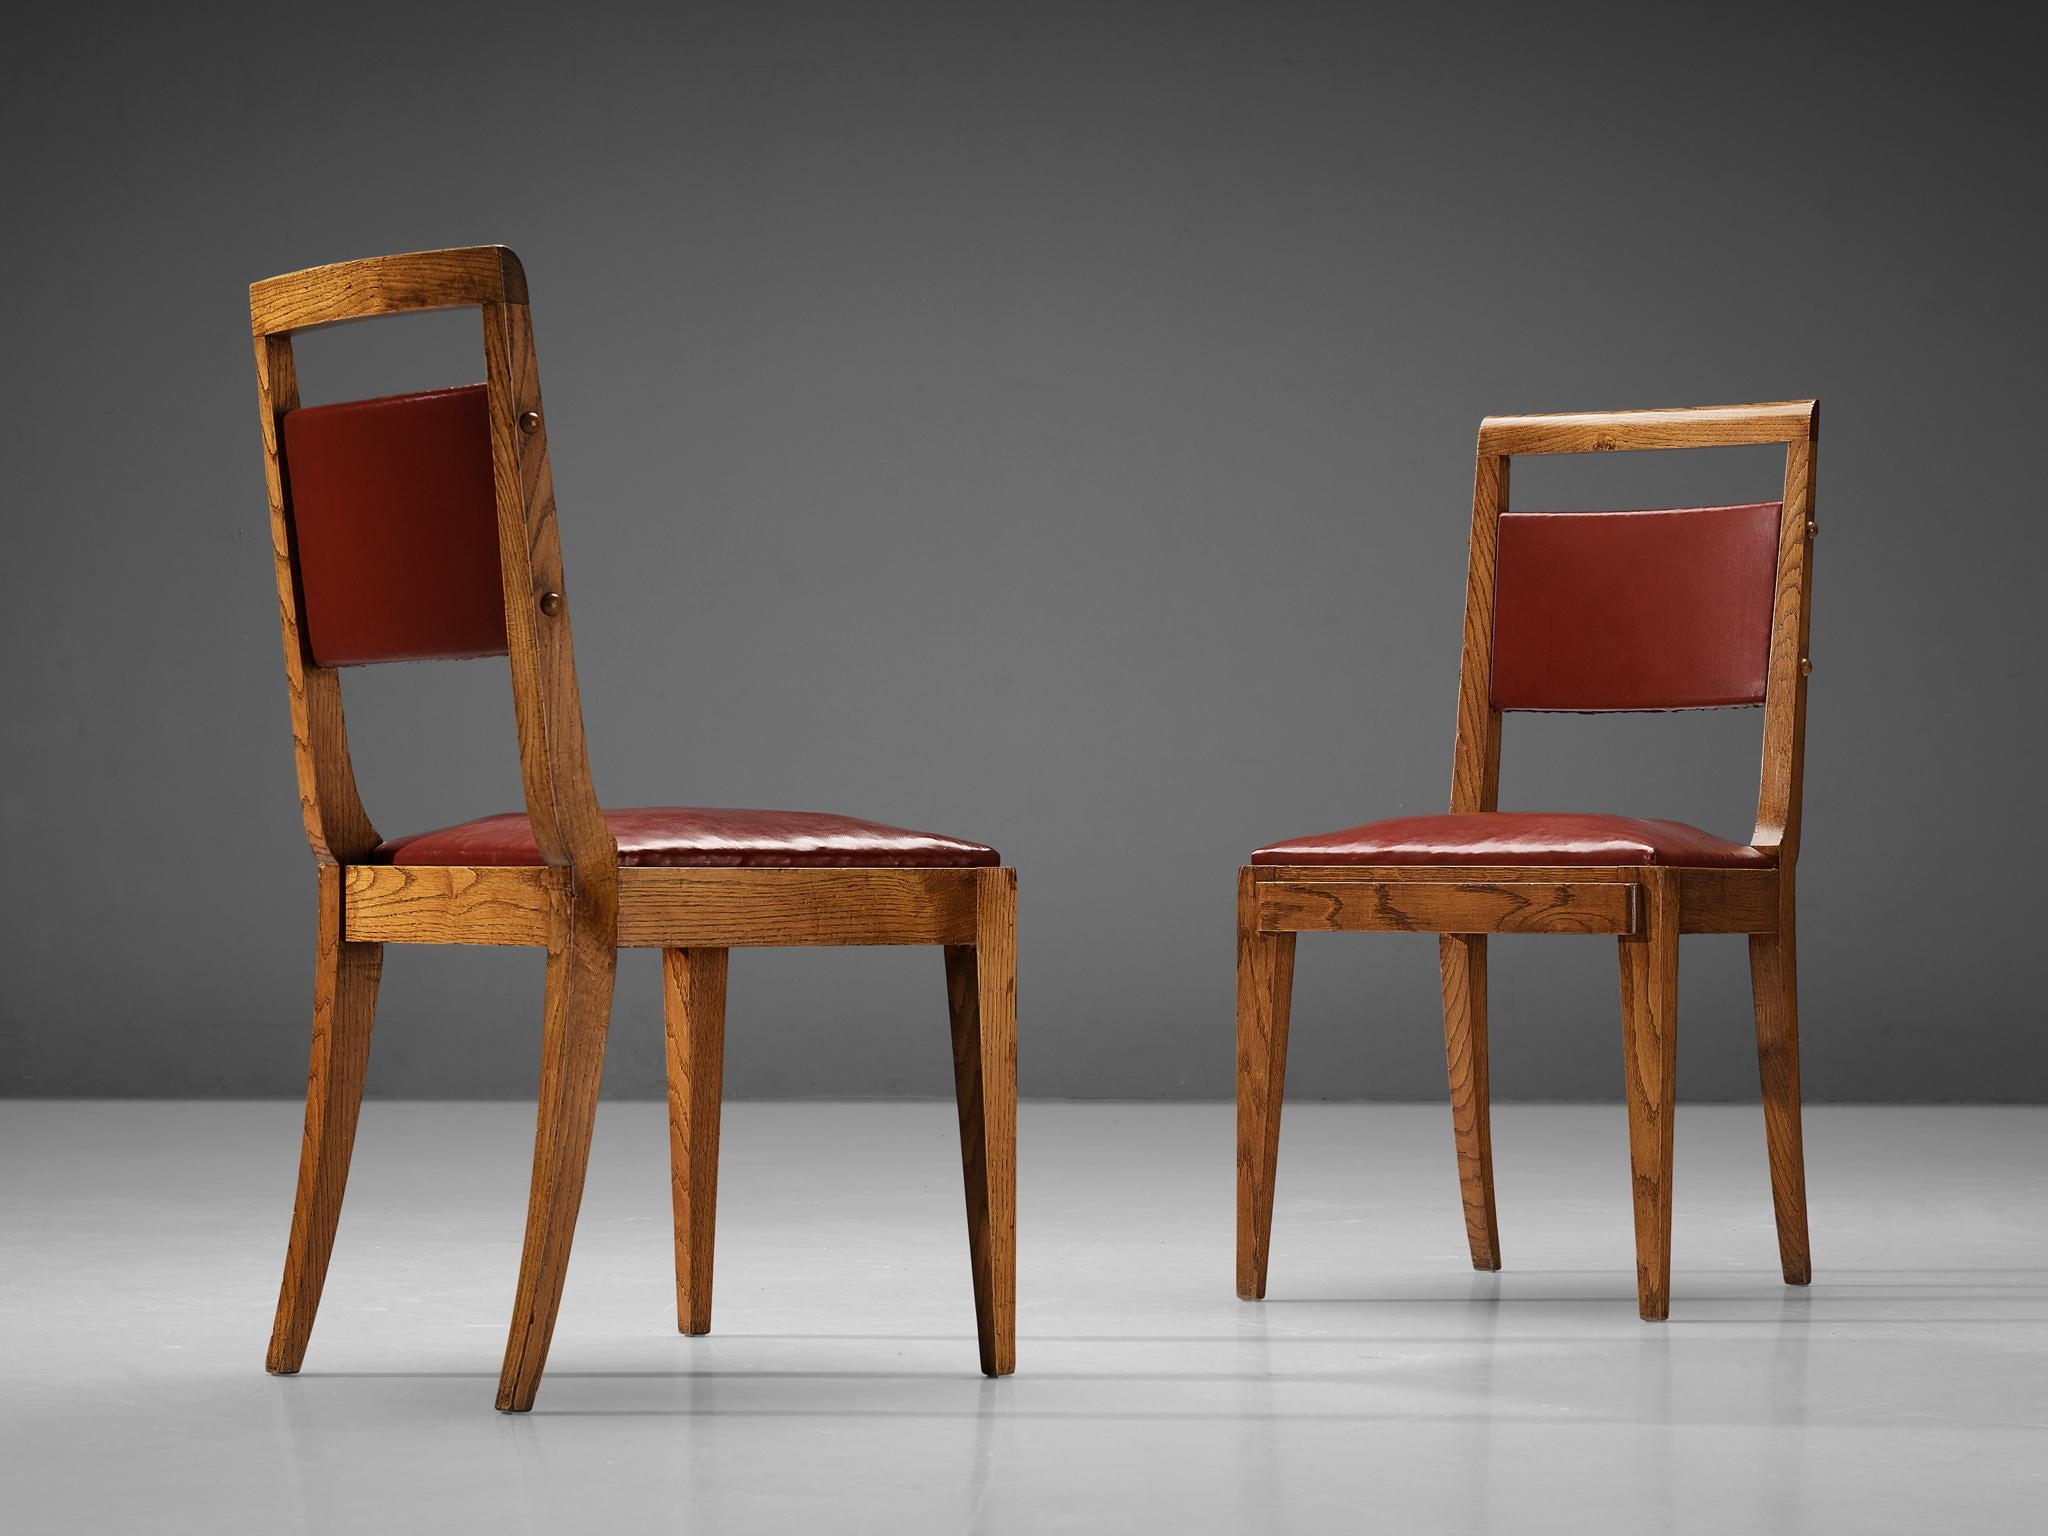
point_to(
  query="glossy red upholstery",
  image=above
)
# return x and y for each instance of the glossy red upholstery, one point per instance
(1634, 610)
(699, 837)
(395, 515)
(1518, 837)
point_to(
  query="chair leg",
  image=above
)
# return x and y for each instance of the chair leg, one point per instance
(1463, 957)
(693, 1011)
(581, 965)
(344, 1007)
(1774, 981)
(1649, 1010)
(1265, 987)
(981, 995)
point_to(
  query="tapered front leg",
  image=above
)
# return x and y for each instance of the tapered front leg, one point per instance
(1463, 960)
(1649, 1008)
(981, 995)
(344, 1006)
(1774, 981)
(581, 965)
(693, 1010)
(1265, 988)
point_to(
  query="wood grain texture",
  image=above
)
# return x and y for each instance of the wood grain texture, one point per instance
(562, 809)
(732, 908)
(667, 908)
(452, 904)
(1729, 900)
(1437, 874)
(1774, 983)
(581, 964)
(1447, 906)
(1773, 958)
(693, 1017)
(1475, 762)
(561, 805)
(981, 998)
(1265, 990)
(1649, 1010)
(337, 826)
(344, 1008)
(386, 285)
(1462, 960)
(1783, 778)
(1706, 426)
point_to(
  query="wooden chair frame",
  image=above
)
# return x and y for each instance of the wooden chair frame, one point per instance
(1646, 908)
(578, 904)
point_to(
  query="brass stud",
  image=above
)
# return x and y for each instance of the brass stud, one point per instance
(529, 422)
(1812, 529)
(551, 603)
(1805, 666)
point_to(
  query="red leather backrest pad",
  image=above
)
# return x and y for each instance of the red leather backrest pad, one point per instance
(395, 517)
(1634, 610)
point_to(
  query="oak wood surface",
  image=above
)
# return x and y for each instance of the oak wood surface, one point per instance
(582, 961)
(981, 1000)
(1475, 761)
(344, 1007)
(1710, 426)
(1783, 778)
(1729, 900)
(730, 908)
(1265, 990)
(386, 285)
(452, 904)
(337, 827)
(1448, 906)
(693, 1017)
(561, 805)
(1436, 874)
(1774, 983)
(667, 908)
(1462, 961)
(1716, 900)
(1649, 1033)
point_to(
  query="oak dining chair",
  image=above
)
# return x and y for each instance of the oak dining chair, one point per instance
(1582, 612)
(422, 527)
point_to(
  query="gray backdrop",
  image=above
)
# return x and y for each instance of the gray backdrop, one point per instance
(1046, 424)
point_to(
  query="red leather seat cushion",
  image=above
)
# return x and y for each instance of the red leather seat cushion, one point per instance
(704, 838)
(1518, 837)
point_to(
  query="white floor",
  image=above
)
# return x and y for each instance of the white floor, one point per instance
(1382, 1386)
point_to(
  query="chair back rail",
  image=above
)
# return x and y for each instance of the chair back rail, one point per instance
(1691, 609)
(532, 597)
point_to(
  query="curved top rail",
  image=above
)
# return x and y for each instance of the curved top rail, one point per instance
(386, 285)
